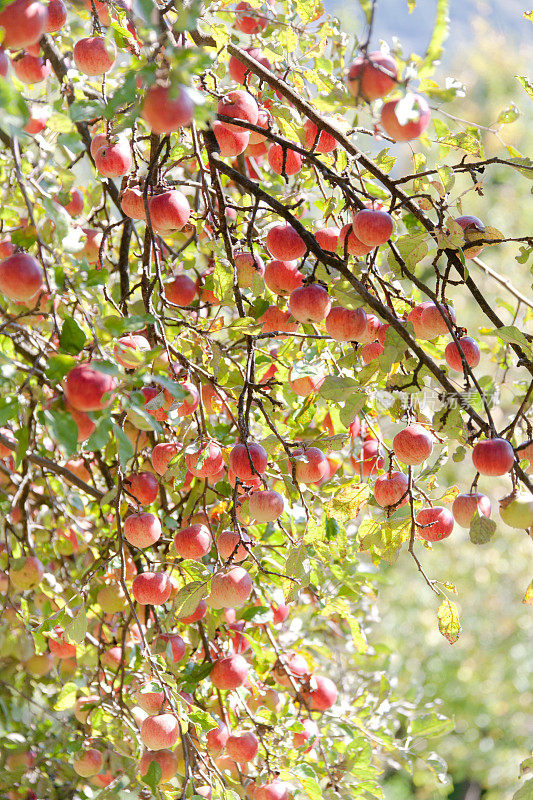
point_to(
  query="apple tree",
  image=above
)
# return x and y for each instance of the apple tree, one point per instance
(247, 355)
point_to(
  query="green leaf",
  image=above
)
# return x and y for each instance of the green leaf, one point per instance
(66, 697)
(347, 502)
(413, 248)
(100, 435)
(77, 628)
(431, 725)
(222, 280)
(337, 388)
(9, 407)
(72, 339)
(188, 598)
(153, 776)
(508, 115)
(297, 567)
(125, 447)
(58, 366)
(482, 529)
(309, 10)
(449, 624)
(63, 429)
(511, 335)
(525, 792)
(526, 85)
(23, 437)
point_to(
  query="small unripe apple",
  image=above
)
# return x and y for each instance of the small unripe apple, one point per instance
(434, 524)
(518, 511)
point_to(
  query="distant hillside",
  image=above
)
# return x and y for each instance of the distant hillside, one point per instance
(413, 30)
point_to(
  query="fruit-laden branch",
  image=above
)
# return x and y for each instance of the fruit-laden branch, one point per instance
(380, 308)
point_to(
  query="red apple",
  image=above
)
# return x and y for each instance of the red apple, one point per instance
(142, 486)
(193, 542)
(434, 524)
(151, 588)
(372, 76)
(169, 211)
(310, 303)
(389, 489)
(142, 529)
(493, 457)
(413, 445)
(160, 732)
(466, 505)
(406, 121)
(21, 277)
(167, 109)
(94, 55)
(471, 352)
(284, 243)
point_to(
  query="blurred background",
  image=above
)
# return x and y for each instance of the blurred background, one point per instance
(485, 680)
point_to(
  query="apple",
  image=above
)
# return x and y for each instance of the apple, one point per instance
(239, 71)
(322, 693)
(113, 159)
(21, 277)
(151, 588)
(75, 203)
(162, 454)
(231, 141)
(84, 706)
(132, 202)
(372, 459)
(407, 122)
(129, 350)
(433, 319)
(172, 646)
(26, 573)
(310, 303)
(264, 120)
(283, 277)
(308, 736)
(248, 460)
(413, 445)
(372, 227)
(471, 352)
(142, 529)
(169, 211)
(493, 457)
(57, 16)
(248, 19)
(111, 599)
(327, 238)
(345, 324)
(193, 542)
(198, 614)
(230, 672)
(39, 665)
(230, 588)
(24, 22)
(242, 748)
(180, 291)
(391, 489)
(283, 160)
(217, 737)
(94, 55)
(167, 761)
(326, 142)
(372, 75)
(465, 506)
(248, 266)
(232, 544)
(284, 243)
(142, 486)
(310, 464)
(266, 506)
(434, 524)
(31, 69)
(517, 511)
(371, 351)
(275, 320)
(91, 249)
(88, 762)
(275, 790)
(474, 229)
(160, 732)
(239, 104)
(206, 460)
(59, 646)
(167, 109)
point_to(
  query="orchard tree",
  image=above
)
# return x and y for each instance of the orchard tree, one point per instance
(233, 376)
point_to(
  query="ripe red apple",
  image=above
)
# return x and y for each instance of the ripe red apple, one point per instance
(129, 350)
(271, 791)
(166, 109)
(474, 229)
(264, 120)
(439, 522)
(311, 465)
(241, 458)
(371, 351)
(151, 588)
(217, 737)
(210, 454)
(113, 159)
(322, 693)
(57, 16)
(283, 277)
(24, 22)
(248, 266)
(142, 486)
(328, 238)
(284, 243)
(274, 319)
(88, 762)
(242, 748)
(31, 69)
(142, 529)
(326, 142)
(230, 543)
(372, 227)
(74, 206)
(308, 736)
(239, 105)
(198, 614)
(353, 245)
(160, 732)
(249, 19)
(21, 277)
(166, 759)
(85, 424)
(413, 445)
(238, 71)
(276, 156)
(307, 384)
(372, 76)
(7, 248)
(389, 489)
(493, 457)
(193, 542)
(232, 141)
(91, 249)
(346, 324)
(266, 506)
(94, 55)
(59, 646)
(100, 140)
(169, 211)
(172, 646)
(230, 588)
(433, 319)
(415, 317)
(310, 303)
(408, 121)
(180, 291)
(191, 401)
(162, 454)
(26, 573)
(132, 203)
(230, 672)
(470, 349)
(465, 506)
